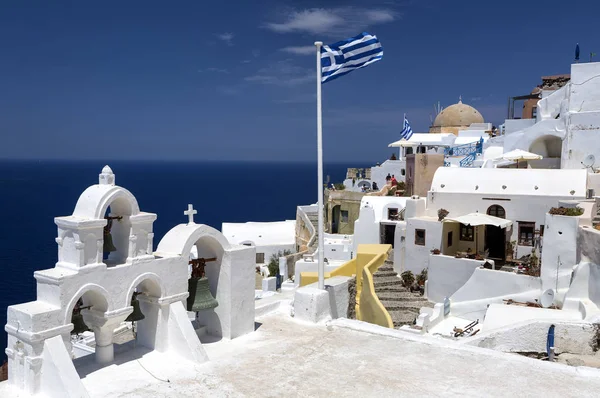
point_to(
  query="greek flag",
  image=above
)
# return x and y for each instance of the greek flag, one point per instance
(406, 130)
(347, 55)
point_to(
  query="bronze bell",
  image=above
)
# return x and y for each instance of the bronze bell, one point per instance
(78, 323)
(200, 297)
(108, 245)
(137, 314)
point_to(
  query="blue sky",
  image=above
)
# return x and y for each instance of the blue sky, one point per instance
(235, 80)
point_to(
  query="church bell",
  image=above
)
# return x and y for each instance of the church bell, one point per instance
(200, 297)
(108, 244)
(78, 323)
(136, 315)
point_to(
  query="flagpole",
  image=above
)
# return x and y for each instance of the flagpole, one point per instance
(321, 245)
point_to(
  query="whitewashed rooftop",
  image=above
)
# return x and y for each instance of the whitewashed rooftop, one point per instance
(537, 182)
(261, 233)
(285, 358)
(444, 139)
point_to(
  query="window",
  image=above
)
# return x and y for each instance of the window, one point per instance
(392, 214)
(344, 215)
(541, 230)
(450, 239)
(420, 237)
(526, 230)
(260, 258)
(403, 172)
(534, 112)
(467, 233)
(496, 211)
(409, 151)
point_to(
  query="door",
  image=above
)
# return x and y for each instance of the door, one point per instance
(388, 232)
(335, 219)
(495, 237)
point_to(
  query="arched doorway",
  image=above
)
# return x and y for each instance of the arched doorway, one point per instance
(495, 237)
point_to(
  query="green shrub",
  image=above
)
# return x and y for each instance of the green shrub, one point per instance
(408, 279)
(566, 211)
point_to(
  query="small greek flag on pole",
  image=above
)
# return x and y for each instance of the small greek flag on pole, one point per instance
(347, 55)
(406, 130)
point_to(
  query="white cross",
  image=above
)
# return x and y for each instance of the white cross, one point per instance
(190, 213)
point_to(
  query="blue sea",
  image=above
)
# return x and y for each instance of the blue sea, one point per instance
(33, 193)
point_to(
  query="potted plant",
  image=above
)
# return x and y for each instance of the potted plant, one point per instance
(422, 277)
(435, 251)
(442, 213)
(408, 279)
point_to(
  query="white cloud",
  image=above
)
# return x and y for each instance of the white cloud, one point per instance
(299, 50)
(227, 38)
(246, 61)
(282, 73)
(338, 20)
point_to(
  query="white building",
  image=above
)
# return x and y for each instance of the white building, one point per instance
(268, 238)
(565, 131)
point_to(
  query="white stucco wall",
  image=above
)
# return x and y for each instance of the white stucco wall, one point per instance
(584, 293)
(486, 286)
(366, 228)
(417, 256)
(531, 336)
(338, 247)
(559, 254)
(269, 238)
(447, 275)
(391, 167)
(374, 210)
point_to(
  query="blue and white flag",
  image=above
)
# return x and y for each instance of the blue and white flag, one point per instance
(347, 55)
(406, 130)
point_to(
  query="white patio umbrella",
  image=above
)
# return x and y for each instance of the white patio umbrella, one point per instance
(519, 154)
(477, 219)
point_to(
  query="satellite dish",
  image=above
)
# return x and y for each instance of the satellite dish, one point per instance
(547, 298)
(589, 161)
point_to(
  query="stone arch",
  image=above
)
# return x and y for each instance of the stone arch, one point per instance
(92, 294)
(94, 202)
(150, 283)
(549, 146)
(207, 234)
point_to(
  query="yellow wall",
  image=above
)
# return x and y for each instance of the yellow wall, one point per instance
(368, 260)
(346, 269)
(370, 309)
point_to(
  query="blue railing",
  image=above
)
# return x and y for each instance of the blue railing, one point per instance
(469, 151)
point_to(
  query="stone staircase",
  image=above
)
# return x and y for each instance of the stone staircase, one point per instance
(314, 220)
(403, 306)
